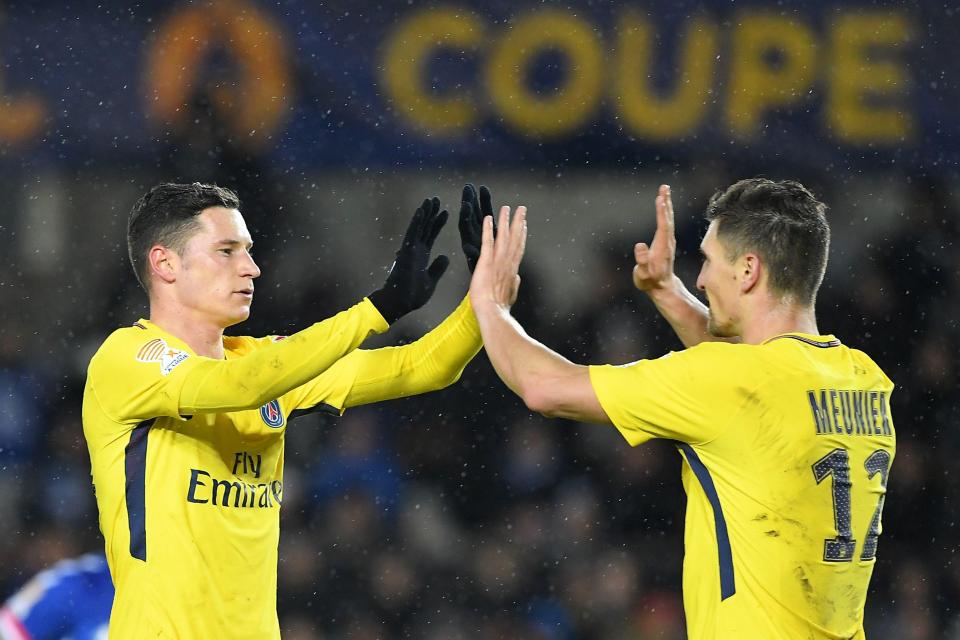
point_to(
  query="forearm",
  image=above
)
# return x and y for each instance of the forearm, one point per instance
(433, 362)
(527, 367)
(273, 370)
(687, 315)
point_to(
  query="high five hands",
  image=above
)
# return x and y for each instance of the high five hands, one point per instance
(496, 278)
(474, 207)
(413, 278)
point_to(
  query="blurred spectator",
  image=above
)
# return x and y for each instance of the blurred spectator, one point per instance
(358, 459)
(69, 601)
(24, 394)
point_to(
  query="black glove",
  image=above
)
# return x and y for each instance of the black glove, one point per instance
(472, 212)
(411, 282)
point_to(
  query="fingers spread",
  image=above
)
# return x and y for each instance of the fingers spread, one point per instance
(518, 236)
(413, 229)
(438, 267)
(486, 208)
(487, 246)
(428, 220)
(504, 224)
(469, 193)
(466, 216)
(664, 210)
(438, 222)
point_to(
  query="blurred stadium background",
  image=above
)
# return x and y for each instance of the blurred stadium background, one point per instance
(460, 514)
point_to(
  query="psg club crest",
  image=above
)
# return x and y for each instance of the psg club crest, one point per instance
(271, 414)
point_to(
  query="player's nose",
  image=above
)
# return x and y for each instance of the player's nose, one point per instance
(250, 268)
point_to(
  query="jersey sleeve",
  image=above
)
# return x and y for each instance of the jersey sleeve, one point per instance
(674, 397)
(135, 378)
(365, 376)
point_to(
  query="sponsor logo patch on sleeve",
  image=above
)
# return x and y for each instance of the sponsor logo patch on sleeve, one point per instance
(157, 350)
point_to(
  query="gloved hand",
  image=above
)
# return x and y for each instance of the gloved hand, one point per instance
(472, 212)
(411, 282)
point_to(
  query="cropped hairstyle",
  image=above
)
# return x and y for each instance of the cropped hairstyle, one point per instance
(784, 224)
(167, 215)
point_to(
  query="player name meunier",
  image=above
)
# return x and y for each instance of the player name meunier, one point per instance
(852, 412)
(205, 489)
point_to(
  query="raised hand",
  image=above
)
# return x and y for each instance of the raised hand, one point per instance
(654, 268)
(496, 280)
(473, 210)
(411, 282)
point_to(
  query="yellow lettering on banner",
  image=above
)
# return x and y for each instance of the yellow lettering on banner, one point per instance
(405, 59)
(644, 112)
(858, 82)
(21, 119)
(565, 109)
(255, 104)
(759, 83)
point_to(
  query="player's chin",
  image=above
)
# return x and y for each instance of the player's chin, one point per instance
(238, 314)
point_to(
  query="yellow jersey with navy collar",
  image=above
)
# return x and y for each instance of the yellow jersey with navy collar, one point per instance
(786, 449)
(188, 487)
(187, 457)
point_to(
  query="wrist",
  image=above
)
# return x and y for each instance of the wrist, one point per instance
(388, 304)
(668, 291)
(486, 305)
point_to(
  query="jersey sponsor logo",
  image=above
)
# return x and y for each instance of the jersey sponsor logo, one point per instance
(271, 414)
(235, 493)
(157, 350)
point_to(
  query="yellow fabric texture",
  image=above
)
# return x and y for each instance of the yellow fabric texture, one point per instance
(365, 376)
(782, 443)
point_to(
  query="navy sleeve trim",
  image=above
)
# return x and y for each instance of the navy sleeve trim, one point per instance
(135, 465)
(728, 585)
(322, 407)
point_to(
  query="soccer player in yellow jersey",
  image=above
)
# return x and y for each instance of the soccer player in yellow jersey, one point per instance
(785, 433)
(185, 426)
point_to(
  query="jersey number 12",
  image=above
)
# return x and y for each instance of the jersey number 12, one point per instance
(837, 464)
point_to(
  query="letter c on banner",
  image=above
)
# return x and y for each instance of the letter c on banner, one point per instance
(406, 56)
(255, 103)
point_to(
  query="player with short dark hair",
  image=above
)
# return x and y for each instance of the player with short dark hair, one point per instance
(784, 223)
(786, 437)
(167, 215)
(185, 426)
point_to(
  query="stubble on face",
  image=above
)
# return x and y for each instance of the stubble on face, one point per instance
(716, 329)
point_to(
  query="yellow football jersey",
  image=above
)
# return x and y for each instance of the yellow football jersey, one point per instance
(188, 487)
(786, 450)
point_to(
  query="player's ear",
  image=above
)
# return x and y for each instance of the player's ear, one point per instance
(749, 268)
(163, 263)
